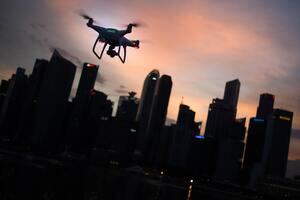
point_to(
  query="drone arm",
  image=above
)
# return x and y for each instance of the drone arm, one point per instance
(124, 56)
(128, 30)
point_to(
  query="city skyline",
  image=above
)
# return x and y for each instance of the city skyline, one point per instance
(223, 47)
(40, 124)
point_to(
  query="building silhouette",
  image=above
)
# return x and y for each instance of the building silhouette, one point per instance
(80, 104)
(265, 107)
(127, 107)
(145, 105)
(257, 135)
(184, 132)
(25, 126)
(54, 147)
(276, 149)
(13, 103)
(158, 115)
(231, 93)
(230, 152)
(51, 109)
(255, 144)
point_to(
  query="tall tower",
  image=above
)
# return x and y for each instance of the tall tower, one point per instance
(265, 107)
(127, 107)
(52, 102)
(231, 93)
(158, 112)
(13, 103)
(145, 104)
(277, 143)
(80, 105)
(222, 112)
(85, 86)
(25, 126)
(87, 80)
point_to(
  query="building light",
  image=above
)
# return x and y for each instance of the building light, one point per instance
(199, 137)
(90, 65)
(191, 181)
(258, 120)
(284, 118)
(132, 130)
(161, 173)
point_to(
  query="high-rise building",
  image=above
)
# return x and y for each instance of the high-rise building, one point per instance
(277, 143)
(231, 93)
(147, 96)
(158, 113)
(145, 104)
(87, 80)
(3, 86)
(222, 112)
(265, 107)
(230, 152)
(52, 102)
(184, 134)
(185, 118)
(13, 103)
(254, 145)
(25, 126)
(220, 117)
(80, 105)
(127, 107)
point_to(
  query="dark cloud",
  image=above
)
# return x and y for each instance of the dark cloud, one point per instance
(170, 121)
(100, 79)
(295, 134)
(121, 90)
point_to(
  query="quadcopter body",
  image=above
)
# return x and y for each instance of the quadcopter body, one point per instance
(114, 38)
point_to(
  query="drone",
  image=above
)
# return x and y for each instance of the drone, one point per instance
(112, 37)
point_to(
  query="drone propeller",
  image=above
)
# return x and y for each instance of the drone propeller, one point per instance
(84, 15)
(136, 24)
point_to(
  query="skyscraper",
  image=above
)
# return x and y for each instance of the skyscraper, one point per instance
(158, 112)
(25, 125)
(127, 107)
(52, 102)
(265, 107)
(80, 105)
(13, 103)
(222, 112)
(231, 93)
(277, 143)
(220, 117)
(145, 104)
(230, 151)
(87, 80)
(254, 145)
(256, 136)
(184, 134)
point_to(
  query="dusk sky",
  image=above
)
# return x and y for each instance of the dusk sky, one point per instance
(201, 44)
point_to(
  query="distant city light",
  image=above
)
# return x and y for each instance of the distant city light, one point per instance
(90, 65)
(199, 137)
(258, 120)
(284, 118)
(132, 130)
(161, 173)
(191, 181)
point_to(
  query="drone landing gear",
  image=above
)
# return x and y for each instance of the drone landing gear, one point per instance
(111, 52)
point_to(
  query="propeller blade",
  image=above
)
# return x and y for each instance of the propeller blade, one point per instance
(136, 24)
(84, 15)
